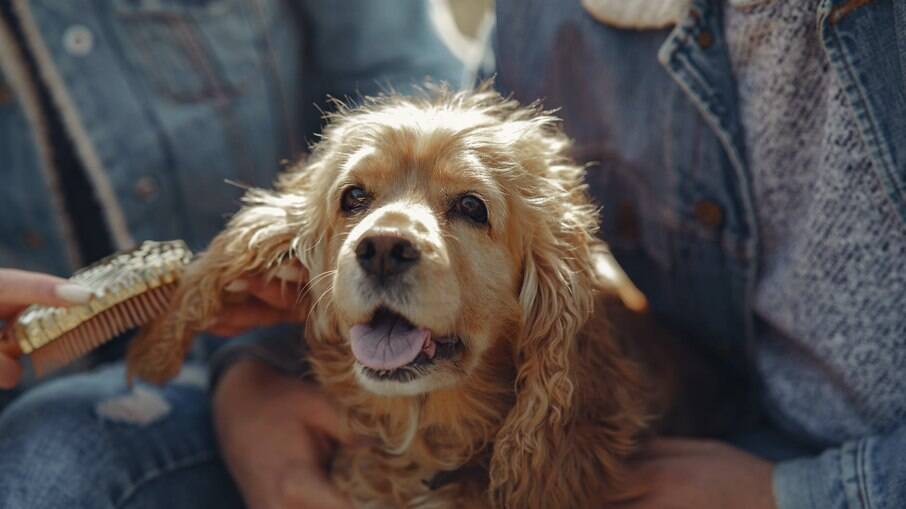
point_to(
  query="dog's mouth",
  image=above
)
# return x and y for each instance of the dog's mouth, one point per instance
(390, 347)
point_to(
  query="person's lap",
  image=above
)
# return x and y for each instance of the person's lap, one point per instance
(90, 441)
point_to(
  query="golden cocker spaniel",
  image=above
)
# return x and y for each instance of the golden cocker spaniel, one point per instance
(453, 305)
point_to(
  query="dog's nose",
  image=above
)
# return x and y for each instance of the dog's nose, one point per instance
(386, 255)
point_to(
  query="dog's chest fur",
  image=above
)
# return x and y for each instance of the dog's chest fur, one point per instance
(428, 451)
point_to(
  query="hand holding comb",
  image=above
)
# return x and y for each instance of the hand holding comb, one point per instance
(131, 289)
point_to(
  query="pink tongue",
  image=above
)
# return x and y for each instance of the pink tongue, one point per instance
(389, 342)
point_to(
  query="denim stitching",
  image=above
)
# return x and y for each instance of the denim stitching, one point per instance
(862, 472)
(864, 112)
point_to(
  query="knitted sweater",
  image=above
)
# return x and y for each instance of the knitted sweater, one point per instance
(827, 229)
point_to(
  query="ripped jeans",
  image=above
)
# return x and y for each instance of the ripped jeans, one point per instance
(89, 441)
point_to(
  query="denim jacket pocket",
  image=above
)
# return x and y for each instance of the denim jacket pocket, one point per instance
(191, 51)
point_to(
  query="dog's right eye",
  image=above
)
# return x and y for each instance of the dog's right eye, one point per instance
(354, 199)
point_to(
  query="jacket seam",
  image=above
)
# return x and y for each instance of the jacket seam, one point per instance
(862, 455)
(866, 115)
(13, 65)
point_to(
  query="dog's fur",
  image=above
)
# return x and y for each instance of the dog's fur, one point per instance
(544, 396)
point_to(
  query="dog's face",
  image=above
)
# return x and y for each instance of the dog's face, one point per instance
(438, 236)
(426, 254)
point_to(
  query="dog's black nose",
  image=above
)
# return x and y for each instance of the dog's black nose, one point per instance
(386, 255)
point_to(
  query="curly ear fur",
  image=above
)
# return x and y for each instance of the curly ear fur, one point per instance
(551, 451)
(272, 226)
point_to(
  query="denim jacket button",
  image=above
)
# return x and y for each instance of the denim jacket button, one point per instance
(145, 188)
(709, 214)
(78, 40)
(705, 39)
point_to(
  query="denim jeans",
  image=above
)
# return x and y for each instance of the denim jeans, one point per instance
(91, 441)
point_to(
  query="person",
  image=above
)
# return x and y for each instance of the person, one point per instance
(751, 175)
(126, 121)
(751, 181)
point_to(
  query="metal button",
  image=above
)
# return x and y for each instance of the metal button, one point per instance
(33, 240)
(709, 213)
(78, 40)
(705, 39)
(145, 188)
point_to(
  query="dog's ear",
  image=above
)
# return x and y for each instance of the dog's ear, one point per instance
(551, 450)
(271, 228)
(556, 299)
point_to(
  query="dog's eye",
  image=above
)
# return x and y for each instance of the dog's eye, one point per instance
(354, 199)
(473, 208)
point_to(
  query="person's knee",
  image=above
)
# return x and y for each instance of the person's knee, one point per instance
(51, 446)
(92, 441)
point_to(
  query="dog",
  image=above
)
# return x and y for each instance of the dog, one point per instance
(455, 305)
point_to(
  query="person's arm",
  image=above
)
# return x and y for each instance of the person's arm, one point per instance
(868, 473)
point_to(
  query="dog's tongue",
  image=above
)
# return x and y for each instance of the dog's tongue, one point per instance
(388, 342)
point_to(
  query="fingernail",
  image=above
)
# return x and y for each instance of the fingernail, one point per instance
(239, 285)
(74, 293)
(288, 273)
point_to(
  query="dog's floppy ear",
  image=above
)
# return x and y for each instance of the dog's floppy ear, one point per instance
(272, 227)
(556, 300)
(545, 454)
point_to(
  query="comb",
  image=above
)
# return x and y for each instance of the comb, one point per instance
(131, 289)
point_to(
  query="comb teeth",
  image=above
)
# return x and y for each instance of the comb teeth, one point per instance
(131, 289)
(96, 331)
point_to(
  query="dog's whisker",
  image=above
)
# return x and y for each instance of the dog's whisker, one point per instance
(318, 302)
(313, 281)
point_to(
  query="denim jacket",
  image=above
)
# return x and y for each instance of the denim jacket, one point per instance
(167, 100)
(658, 111)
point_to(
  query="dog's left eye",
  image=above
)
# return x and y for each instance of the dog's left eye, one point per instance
(472, 207)
(354, 199)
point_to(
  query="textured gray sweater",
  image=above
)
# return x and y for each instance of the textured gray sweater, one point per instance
(831, 291)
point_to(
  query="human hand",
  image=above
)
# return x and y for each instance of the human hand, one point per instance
(253, 301)
(18, 290)
(701, 474)
(277, 435)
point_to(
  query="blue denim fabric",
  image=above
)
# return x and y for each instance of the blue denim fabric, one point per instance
(62, 446)
(657, 109)
(177, 97)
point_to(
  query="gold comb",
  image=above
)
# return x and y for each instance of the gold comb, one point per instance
(131, 289)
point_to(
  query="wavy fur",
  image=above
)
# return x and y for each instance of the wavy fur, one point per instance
(546, 397)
